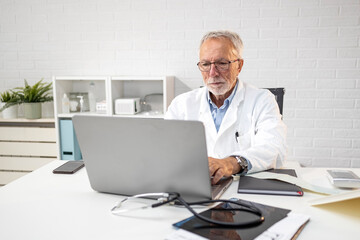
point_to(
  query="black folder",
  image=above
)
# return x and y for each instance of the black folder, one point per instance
(254, 185)
(199, 227)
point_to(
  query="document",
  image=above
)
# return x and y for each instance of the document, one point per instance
(297, 181)
(181, 234)
(286, 229)
(354, 194)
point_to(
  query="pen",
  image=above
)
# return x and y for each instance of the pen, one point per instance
(236, 136)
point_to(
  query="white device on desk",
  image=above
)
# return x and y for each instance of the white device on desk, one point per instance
(127, 105)
(344, 178)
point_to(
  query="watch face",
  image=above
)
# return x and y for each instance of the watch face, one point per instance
(244, 165)
(244, 162)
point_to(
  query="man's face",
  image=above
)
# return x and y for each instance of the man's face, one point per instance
(219, 83)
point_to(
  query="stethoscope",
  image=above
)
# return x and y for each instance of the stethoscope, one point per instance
(165, 198)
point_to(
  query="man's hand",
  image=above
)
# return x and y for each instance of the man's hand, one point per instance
(222, 168)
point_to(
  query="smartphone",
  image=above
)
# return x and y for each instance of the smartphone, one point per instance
(69, 167)
(344, 178)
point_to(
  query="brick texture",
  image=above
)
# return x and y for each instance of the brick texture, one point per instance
(310, 47)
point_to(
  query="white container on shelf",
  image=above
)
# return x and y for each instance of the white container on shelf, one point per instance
(127, 106)
(92, 98)
(101, 107)
(65, 104)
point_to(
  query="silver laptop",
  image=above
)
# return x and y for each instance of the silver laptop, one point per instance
(129, 156)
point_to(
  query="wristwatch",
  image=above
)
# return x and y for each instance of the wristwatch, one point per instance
(242, 162)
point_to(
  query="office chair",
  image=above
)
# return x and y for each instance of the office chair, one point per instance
(279, 97)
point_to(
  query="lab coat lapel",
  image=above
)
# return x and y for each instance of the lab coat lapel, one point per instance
(231, 116)
(205, 116)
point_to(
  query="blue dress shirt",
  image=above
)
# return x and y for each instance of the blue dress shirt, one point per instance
(219, 113)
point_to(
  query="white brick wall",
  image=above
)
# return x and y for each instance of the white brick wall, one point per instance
(310, 47)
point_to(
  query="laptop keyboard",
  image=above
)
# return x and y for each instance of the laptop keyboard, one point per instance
(214, 187)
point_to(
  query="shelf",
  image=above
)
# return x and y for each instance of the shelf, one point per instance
(25, 120)
(157, 91)
(70, 115)
(42, 122)
(142, 87)
(73, 86)
(140, 115)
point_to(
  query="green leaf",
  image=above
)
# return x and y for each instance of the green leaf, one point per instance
(39, 92)
(10, 98)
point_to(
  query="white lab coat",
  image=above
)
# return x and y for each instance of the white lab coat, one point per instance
(253, 114)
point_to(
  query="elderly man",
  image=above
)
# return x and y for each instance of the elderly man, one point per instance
(243, 125)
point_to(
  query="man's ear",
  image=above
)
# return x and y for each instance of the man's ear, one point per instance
(241, 64)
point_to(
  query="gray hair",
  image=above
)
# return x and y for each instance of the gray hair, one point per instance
(232, 36)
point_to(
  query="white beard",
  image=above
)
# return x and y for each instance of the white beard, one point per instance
(220, 90)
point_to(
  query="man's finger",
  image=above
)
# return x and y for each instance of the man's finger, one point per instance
(213, 166)
(217, 176)
(212, 169)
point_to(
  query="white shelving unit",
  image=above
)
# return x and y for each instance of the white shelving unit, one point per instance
(67, 85)
(108, 89)
(130, 87)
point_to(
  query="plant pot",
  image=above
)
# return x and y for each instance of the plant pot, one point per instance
(32, 110)
(10, 112)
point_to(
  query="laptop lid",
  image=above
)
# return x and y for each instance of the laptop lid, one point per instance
(130, 156)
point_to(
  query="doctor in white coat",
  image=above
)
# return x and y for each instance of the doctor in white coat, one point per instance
(243, 125)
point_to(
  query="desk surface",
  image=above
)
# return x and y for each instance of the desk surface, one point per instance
(43, 205)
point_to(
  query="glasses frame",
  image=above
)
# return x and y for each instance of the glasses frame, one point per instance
(216, 66)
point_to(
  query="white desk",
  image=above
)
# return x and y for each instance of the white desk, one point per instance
(42, 205)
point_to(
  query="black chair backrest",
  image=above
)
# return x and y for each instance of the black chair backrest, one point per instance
(279, 96)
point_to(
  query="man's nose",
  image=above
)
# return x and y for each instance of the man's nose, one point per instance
(213, 70)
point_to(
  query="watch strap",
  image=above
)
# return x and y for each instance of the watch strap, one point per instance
(243, 163)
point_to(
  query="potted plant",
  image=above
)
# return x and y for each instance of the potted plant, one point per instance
(10, 101)
(33, 97)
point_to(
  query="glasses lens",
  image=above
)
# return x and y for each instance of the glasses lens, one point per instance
(132, 205)
(222, 66)
(204, 66)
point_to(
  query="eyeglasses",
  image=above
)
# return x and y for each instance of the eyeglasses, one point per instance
(221, 66)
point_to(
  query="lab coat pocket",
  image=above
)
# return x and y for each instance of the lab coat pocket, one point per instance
(244, 140)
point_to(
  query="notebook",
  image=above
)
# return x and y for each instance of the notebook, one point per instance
(254, 185)
(129, 156)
